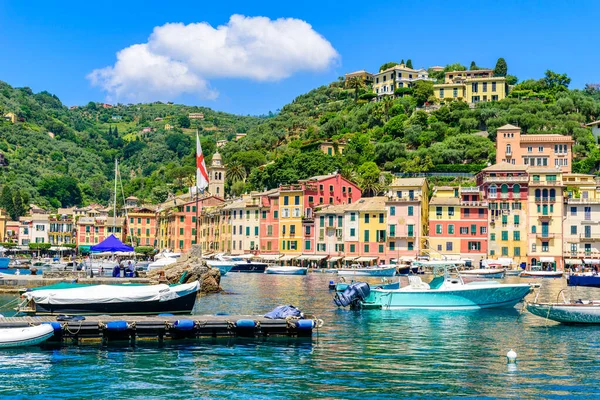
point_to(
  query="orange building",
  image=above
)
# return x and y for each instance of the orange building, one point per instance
(552, 150)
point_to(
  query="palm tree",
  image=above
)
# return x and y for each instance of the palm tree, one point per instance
(387, 103)
(236, 171)
(355, 83)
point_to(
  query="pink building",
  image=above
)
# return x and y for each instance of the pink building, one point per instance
(550, 150)
(269, 221)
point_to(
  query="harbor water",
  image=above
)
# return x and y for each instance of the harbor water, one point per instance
(355, 355)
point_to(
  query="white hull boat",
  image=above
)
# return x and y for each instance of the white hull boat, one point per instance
(30, 336)
(224, 266)
(581, 312)
(492, 273)
(161, 263)
(286, 270)
(541, 274)
(382, 270)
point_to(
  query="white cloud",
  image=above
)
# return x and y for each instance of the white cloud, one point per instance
(181, 58)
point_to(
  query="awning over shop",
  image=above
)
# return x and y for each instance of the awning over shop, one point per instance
(547, 259)
(573, 261)
(288, 257)
(350, 258)
(302, 257)
(269, 257)
(366, 259)
(592, 261)
(334, 259)
(315, 257)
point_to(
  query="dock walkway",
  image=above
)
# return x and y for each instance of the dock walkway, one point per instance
(118, 328)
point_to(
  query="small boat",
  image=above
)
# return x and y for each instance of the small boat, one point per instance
(161, 263)
(224, 266)
(589, 279)
(491, 273)
(541, 274)
(378, 270)
(30, 336)
(579, 312)
(341, 286)
(241, 264)
(111, 299)
(286, 270)
(513, 272)
(444, 292)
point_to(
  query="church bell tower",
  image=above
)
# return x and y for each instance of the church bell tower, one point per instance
(216, 176)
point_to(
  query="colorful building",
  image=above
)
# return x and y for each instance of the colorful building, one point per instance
(365, 76)
(544, 150)
(505, 188)
(368, 217)
(398, 76)
(471, 86)
(33, 229)
(61, 230)
(141, 225)
(91, 231)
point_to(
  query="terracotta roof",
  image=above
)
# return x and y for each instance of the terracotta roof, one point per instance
(403, 182)
(330, 209)
(504, 166)
(451, 201)
(507, 127)
(546, 138)
(368, 204)
(551, 170)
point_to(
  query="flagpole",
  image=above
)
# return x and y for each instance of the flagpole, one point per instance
(197, 196)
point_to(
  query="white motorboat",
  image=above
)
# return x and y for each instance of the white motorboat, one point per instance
(161, 263)
(286, 270)
(541, 274)
(224, 266)
(377, 270)
(29, 336)
(491, 273)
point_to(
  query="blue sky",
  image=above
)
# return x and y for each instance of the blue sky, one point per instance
(54, 47)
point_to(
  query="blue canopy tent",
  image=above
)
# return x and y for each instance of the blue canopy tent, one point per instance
(111, 244)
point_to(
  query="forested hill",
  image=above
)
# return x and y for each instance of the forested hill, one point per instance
(61, 157)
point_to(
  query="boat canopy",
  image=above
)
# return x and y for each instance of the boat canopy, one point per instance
(111, 244)
(100, 294)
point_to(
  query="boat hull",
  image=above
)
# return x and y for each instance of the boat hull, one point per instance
(465, 298)
(341, 286)
(249, 267)
(4, 261)
(286, 271)
(584, 280)
(541, 274)
(389, 271)
(567, 314)
(30, 336)
(484, 273)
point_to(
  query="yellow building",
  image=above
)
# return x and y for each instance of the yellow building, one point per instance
(444, 214)
(366, 77)
(291, 204)
(398, 76)
(545, 203)
(332, 148)
(410, 197)
(12, 117)
(372, 228)
(471, 86)
(4, 218)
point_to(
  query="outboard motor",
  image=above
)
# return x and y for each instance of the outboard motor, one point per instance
(353, 294)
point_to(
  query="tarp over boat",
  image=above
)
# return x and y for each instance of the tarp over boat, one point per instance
(111, 244)
(99, 294)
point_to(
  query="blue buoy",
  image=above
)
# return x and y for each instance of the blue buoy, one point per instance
(117, 326)
(184, 325)
(245, 323)
(305, 324)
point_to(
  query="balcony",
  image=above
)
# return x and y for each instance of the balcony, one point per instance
(583, 201)
(544, 236)
(405, 199)
(473, 189)
(545, 183)
(474, 203)
(505, 179)
(589, 238)
(545, 199)
(544, 217)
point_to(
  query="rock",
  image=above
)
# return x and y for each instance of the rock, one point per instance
(195, 269)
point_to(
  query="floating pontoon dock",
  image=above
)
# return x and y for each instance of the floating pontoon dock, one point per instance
(161, 328)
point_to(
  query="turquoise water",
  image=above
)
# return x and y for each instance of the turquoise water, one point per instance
(357, 354)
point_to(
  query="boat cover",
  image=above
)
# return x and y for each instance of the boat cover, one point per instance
(111, 294)
(283, 312)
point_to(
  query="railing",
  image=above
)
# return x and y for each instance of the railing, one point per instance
(503, 179)
(407, 199)
(583, 201)
(474, 203)
(545, 183)
(472, 189)
(589, 238)
(542, 235)
(545, 199)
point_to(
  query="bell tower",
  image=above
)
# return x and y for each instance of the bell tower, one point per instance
(216, 176)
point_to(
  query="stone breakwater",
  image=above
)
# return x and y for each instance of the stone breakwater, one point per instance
(188, 268)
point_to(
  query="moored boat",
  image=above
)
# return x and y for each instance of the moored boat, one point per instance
(491, 273)
(110, 299)
(579, 312)
(541, 274)
(241, 264)
(286, 270)
(378, 270)
(588, 279)
(30, 336)
(341, 286)
(444, 292)
(224, 266)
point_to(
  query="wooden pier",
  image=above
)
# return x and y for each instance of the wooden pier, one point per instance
(106, 328)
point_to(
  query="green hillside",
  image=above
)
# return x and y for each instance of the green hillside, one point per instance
(75, 166)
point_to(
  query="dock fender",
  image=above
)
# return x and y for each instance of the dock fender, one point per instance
(184, 325)
(305, 324)
(55, 325)
(246, 324)
(117, 326)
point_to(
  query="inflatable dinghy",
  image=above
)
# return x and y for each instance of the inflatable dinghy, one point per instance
(30, 336)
